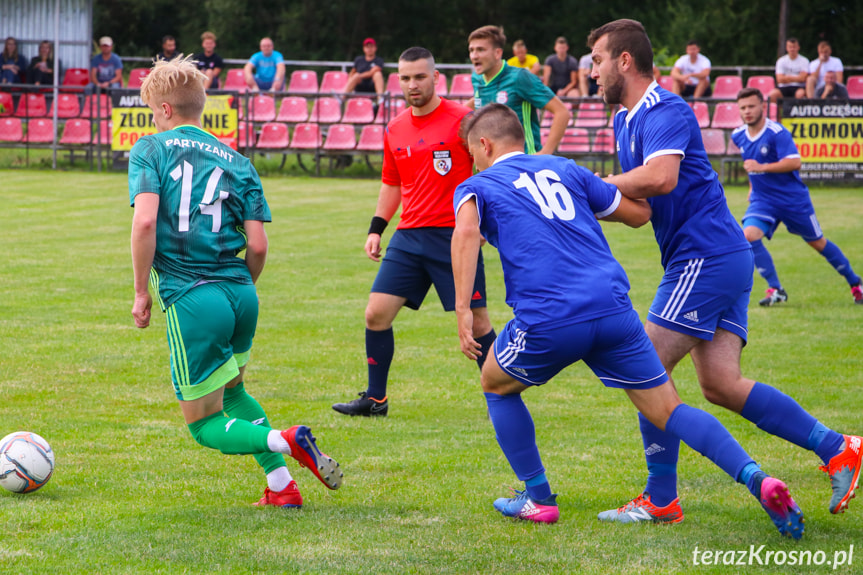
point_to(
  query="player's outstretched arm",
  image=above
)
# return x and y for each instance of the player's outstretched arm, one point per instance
(560, 119)
(143, 251)
(256, 247)
(780, 167)
(465, 250)
(633, 213)
(656, 178)
(389, 199)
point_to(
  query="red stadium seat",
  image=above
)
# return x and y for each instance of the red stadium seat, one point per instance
(307, 137)
(732, 149)
(359, 111)
(333, 82)
(726, 87)
(32, 106)
(591, 115)
(604, 142)
(136, 76)
(77, 132)
(303, 82)
(6, 104)
(393, 86)
(261, 109)
(96, 106)
(393, 108)
(74, 79)
(341, 137)
(461, 86)
(67, 106)
(726, 115)
(714, 141)
(326, 110)
(440, 87)
(666, 82)
(764, 84)
(575, 141)
(772, 111)
(547, 116)
(245, 135)
(702, 114)
(11, 130)
(39, 131)
(235, 81)
(294, 109)
(274, 136)
(104, 134)
(855, 87)
(372, 138)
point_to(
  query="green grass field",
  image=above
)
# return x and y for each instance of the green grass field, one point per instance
(132, 492)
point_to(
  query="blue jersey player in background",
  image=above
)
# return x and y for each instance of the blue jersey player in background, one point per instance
(777, 194)
(701, 304)
(571, 303)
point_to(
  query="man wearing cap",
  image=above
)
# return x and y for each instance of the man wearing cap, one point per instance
(106, 69)
(367, 75)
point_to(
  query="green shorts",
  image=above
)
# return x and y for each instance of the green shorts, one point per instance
(210, 332)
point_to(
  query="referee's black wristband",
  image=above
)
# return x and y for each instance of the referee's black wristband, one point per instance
(378, 225)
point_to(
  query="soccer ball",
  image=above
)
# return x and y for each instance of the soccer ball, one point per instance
(26, 462)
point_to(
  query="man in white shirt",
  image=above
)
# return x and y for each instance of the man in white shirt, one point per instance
(792, 69)
(691, 73)
(818, 68)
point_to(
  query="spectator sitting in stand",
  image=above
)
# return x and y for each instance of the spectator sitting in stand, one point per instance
(832, 89)
(586, 85)
(265, 70)
(210, 63)
(169, 48)
(521, 59)
(12, 63)
(691, 73)
(561, 71)
(106, 69)
(819, 67)
(792, 70)
(367, 75)
(41, 69)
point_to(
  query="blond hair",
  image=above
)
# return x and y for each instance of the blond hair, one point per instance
(208, 36)
(177, 82)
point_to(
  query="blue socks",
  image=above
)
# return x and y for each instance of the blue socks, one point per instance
(516, 436)
(485, 341)
(764, 264)
(779, 415)
(380, 346)
(661, 450)
(837, 259)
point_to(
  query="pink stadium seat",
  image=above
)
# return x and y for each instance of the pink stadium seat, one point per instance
(6, 105)
(136, 76)
(666, 82)
(714, 141)
(96, 106)
(261, 109)
(547, 116)
(67, 106)
(387, 112)
(76, 132)
(341, 137)
(604, 142)
(440, 87)
(393, 86)
(304, 82)
(245, 135)
(274, 136)
(39, 131)
(74, 79)
(333, 82)
(371, 138)
(32, 106)
(294, 109)
(11, 130)
(307, 137)
(855, 87)
(772, 111)
(726, 87)
(702, 114)
(726, 115)
(575, 141)
(764, 84)
(235, 81)
(359, 111)
(461, 86)
(104, 133)
(591, 115)
(732, 149)
(326, 110)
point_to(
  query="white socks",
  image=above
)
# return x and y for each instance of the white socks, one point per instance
(277, 480)
(277, 443)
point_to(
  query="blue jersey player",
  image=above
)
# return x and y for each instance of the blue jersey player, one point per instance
(571, 303)
(772, 160)
(700, 306)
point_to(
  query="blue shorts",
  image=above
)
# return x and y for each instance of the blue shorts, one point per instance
(697, 296)
(418, 258)
(800, 221)
(614, 347)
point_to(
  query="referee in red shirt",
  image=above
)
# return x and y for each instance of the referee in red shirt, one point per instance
(424, 160)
